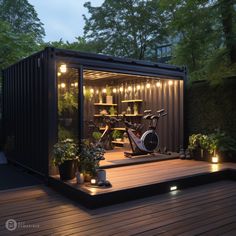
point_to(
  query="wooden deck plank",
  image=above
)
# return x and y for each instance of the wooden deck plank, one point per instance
(98, 213)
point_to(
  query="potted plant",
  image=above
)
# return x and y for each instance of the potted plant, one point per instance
(117, 135)
(109, 98)
(96, 135)
(112, 111)
(89, 157)
(194, 146)
(64, 156)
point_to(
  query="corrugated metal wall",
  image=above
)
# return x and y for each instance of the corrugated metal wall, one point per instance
(25, 109)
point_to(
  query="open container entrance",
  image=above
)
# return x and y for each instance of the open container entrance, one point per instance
(107, 97)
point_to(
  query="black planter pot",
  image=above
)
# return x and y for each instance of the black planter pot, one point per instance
(67, 170)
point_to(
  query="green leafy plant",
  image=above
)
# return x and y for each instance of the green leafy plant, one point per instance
(96, 135)
(117, 134)
(64, 150)
(67, 103)
(89, 157)
(112, 111)
(64, 133)
(108, 90)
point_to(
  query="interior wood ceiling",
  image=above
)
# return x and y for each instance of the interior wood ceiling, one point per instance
(97, 75)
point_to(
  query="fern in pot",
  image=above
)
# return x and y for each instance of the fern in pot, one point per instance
(65, 157)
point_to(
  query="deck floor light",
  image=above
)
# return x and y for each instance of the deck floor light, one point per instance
(93, 181)
(173, 188)
(215, 159)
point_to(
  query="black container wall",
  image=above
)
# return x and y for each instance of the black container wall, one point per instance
(26, 117)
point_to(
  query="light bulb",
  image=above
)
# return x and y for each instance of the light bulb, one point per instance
(129, 88)
(72, 84)
(114, 90)
(63, 68)
(91, 90)
(158, 84)
(148, 85)
(121, 89)
(76, 84)
(97, 92)
(58, 74)
(104, 90)
(63, 85)
(170, 82)
(138, 87)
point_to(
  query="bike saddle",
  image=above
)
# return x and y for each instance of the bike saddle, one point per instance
(160, 111)
(147, 117)
(147, 111)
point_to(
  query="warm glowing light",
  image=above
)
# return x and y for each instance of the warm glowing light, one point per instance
(72, 85)
(114, 90)
(129, 88)
(63, 85)
(104, 90)
(148, 85)
(76, 84)
(97, 92)
(58, 74)
(215, 159)
(63, 68)
(91, 90)
(93, 181)
(121, 89)
(170, 82)
(158, 84)
(138, 87)
(173, 188)
(59, 86)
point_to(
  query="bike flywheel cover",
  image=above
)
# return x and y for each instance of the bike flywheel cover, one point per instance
(150, 140)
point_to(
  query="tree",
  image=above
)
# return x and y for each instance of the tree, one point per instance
(205, 32)
(130, 28)
(20, 31)
(22, 18)
(80, 44)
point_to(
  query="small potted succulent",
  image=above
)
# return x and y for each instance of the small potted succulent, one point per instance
(64, 156)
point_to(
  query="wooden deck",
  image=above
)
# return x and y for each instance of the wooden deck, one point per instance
(136, 181)
(205, 210)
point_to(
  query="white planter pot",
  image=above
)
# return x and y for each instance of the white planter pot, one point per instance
(101, 175)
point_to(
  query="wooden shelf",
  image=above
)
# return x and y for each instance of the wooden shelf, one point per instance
(104, 104)
(99, 115)
(118, 128)
(118, 142)
(131, 115)
(135, 100)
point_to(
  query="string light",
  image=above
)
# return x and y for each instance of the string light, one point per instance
(104, 90)
(76, 84)
(63, 85)
(148, 85)
(58, 74)
(91, 90)
(114, 90)
(63, 68)
(121, 89)
(72, 84)
(129, 88)
(97, 92)
(158, 84)
(138, 87)
(170, 82)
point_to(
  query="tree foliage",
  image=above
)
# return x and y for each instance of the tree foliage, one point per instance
(130, 28)
(20, 31)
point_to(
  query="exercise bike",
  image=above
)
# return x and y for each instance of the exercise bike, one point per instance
(105, 141)
(149, 140)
